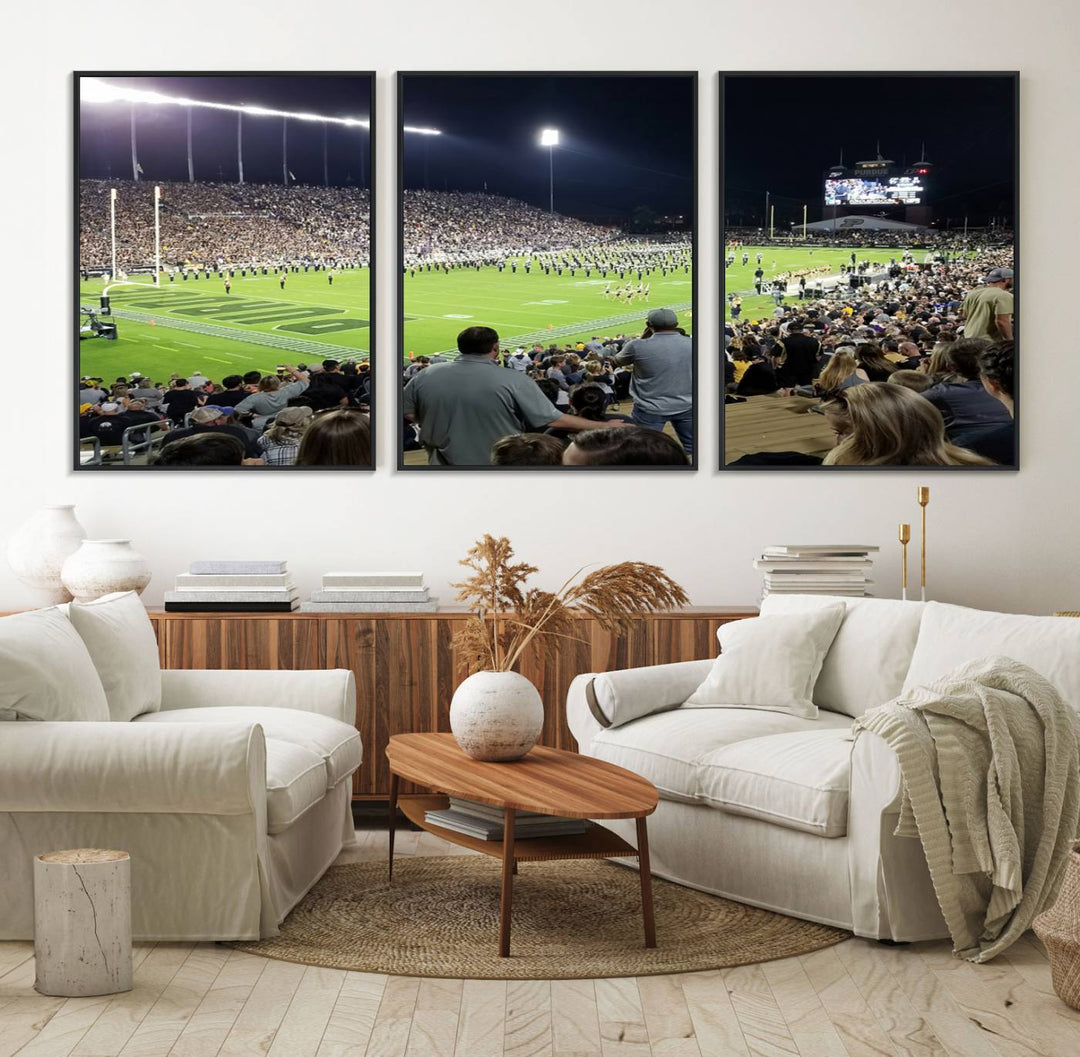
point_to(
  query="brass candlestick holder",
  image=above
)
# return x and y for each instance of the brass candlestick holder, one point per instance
(904, 535)
(924, 501)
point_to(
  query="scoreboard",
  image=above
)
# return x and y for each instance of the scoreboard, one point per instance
(865, 190)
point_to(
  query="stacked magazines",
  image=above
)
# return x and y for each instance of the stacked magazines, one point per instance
(234, 587)
(486, 822)
(817, 569)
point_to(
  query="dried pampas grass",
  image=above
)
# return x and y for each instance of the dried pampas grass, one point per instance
(507, 615)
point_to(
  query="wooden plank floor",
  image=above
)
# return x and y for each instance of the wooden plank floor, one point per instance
(774, 423)
(857, 999)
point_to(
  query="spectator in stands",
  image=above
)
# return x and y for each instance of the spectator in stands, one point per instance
(211, 419)
(272, 397)
(144, 389)
(873, 362)
(987, 310)
(108, 421)
(232, 391)
(799, 356)
(889, 425)
(587, 400)
(180, 401)
(632, 446)
(338, 437)
(205, 449)
(964, 403)
(465, 406)
(280, 444)
(662, 384)
(914, 380)
(91, 392)
(556, 372)
(841, 372)
(997, 371)
(527, 449)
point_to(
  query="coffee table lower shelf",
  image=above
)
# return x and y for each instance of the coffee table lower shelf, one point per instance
(595, 843)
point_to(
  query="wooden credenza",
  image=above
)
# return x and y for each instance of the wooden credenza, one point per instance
(406, 667)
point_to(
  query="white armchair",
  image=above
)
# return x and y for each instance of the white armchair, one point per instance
(232, 799)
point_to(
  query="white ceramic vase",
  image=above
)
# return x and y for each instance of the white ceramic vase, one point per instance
(37, 551)
(496, 715)
(100, 567)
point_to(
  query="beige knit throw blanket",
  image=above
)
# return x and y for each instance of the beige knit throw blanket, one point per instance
(990, 761)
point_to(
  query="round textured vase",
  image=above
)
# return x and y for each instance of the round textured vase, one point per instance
(100, 567)
(38, 550)
(496, 715)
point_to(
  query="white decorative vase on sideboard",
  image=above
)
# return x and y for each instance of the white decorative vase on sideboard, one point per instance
(37, 551)
(496, 715)
(100, 567)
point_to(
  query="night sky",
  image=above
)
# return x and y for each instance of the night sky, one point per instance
(624, 141)
(782, 133)
(105, 145)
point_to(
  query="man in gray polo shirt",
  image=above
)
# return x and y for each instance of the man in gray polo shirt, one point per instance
(662, 383)
(465, 406)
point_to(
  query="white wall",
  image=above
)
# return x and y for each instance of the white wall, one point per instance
(1002, 541)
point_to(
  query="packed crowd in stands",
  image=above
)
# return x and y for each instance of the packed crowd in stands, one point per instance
(952, 240)
(313, 416)
(204, 225)
(554, 404)
(916, 368)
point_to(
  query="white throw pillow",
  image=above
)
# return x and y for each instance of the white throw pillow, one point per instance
(45, 670)
(770, 662)
(121, 641)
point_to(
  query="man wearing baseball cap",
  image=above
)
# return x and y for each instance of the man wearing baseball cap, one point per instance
(662, 384)
(213, 419)
(987, 310)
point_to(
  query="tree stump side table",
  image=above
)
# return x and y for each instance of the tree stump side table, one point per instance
(82, 922)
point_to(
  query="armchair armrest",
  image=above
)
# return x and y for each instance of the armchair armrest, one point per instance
(328, 692)
(186, 768)
(610, 699)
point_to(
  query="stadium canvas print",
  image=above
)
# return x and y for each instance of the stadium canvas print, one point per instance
(869, 293)
(224, 285)
(547, 271)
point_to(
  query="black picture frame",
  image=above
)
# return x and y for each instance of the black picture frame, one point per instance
(402, 76)
(77, 76)
(723, 147)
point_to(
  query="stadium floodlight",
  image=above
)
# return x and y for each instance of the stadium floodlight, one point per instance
(421, 131)
(549, 137)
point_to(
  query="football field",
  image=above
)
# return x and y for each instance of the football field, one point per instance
(534, 307)
(194, 325)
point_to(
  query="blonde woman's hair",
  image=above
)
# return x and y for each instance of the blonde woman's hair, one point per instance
(840, 367)
(891, 425)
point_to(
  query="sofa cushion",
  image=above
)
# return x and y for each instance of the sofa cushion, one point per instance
(295, 780)
(770, 662)
(953, 635)
(799, 780)
(870, 656)
(120, 639)
(45, 670)
(336, 743)
(622, 696)
(668, 748)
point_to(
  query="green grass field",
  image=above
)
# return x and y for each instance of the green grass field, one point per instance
(526, 308)
(195, 325)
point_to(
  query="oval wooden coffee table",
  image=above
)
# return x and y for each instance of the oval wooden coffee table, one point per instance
(548, 781)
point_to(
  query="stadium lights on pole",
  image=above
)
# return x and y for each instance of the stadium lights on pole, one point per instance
(112, 226)
(157, 234)
(549, 137)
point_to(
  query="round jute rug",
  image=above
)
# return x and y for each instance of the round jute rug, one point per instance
(576, 918)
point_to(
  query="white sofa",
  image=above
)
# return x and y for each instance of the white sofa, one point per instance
(231, 790)
(793, 814)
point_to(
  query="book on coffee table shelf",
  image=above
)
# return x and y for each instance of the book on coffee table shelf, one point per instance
(242, 568)
(486, 822)
(368, 581)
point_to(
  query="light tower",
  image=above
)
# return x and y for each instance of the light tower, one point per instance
(549, 137)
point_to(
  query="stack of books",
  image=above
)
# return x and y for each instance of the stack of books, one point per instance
(486, 822)
(817, 569)
(234, 587)
(371, 593)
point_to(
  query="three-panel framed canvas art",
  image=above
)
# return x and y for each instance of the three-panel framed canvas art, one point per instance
(546, 271)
